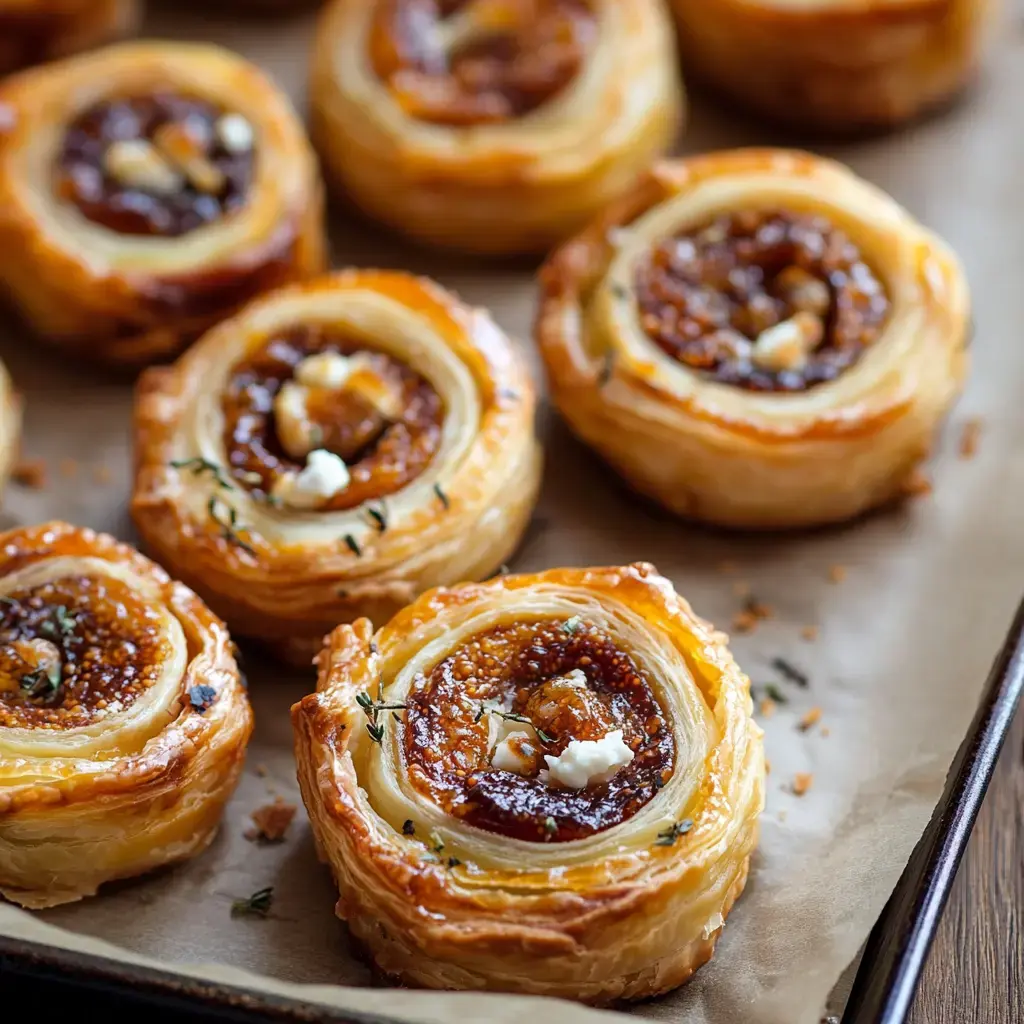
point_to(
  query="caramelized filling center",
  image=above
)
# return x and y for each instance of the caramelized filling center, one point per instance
(553, 683)
(764, 301)
(466, 62)
(75, 650)
(161, 165)
(372, 419)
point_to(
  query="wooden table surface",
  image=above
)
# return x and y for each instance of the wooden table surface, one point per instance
(975, 972)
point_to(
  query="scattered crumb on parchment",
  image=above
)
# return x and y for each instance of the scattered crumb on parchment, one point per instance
(768, 707)
(746, 620)
(917, 485)
(802, 782)
(970, 437)
(809, 633)
(767, 766)
(825, 731)
(811, 718)
(261, 770)
(271, 822)
(30, 473)
(836, 573)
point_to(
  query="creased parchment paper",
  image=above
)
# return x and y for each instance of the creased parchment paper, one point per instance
(904, 642)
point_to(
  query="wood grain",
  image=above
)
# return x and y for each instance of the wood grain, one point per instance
(975, 972)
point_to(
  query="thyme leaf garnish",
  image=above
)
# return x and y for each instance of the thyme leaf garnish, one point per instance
(511, 716)
(772, 691)
(550, 826)
(668, 836)
(256, 905)
(372, 709)
(604, 375)
(353, 545)
(442, 497)
(572, 625)
(408, 828)
(225, 516)
(791, 672)
(453, 862)
(60, 625)
(437, 843)
(378, 517)
(199, 465)
(41, 683)
(620, 291)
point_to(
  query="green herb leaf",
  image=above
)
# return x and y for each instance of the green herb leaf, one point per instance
(353, 545)
(256, 905)
(791, 672)
(376, 732)
(378, 517)
(225, 516)
(572, 625)
(437, 843)
(771, 690)
(442, 497)
(199, 465)
(550, 826)
(408, 828)
(668, 836)
(453, 862)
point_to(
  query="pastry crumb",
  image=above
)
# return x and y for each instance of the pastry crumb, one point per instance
(802, 782)
(768, 707)
(271, 822)
(811, 718)
(809, 633)
(741, 588)
(261, 770)
(102, 475)
(917, 485)
(744, 622)
(68, 468)
(837, 573)
(825, 731)
(970, 437)
(753, 611)
(30, 473)
(767, 766)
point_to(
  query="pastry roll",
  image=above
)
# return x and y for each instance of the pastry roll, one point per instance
(334, 449)
(32, 31)
(756, 338)
(146, 191)
(545, 784)
(123, 719)
(835, 65)
(492, 125)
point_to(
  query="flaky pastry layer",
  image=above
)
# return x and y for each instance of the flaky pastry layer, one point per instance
(138, 784)
(835, 65)
(711, 451)
(129, 299)
(297, 574)
(624, 913)
(520, 185)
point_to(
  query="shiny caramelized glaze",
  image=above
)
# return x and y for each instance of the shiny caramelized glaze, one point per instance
(83, 176)
(104, 645)
(518, 55)
(520, 666)
(705, 294)
(383, 454)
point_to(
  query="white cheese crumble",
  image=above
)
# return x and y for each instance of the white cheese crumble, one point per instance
(135, 163)
(515, 753)
(787, 345)
(323, 476)
(235, 133)
(324, 370)
(586, 761)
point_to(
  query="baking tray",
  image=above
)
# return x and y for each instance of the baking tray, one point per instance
(882, 992)
(893, 956)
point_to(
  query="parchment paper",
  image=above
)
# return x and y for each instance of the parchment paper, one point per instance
(904, 641)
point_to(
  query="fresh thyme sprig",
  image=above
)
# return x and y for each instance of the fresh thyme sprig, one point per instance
(41, 683)
(668, 836)
(199, 465)
(225, 516)
(511, 716)
(353, 545)
(442, 497)
(372, 709)
(378, 517)
(60, 625)
(256, 905)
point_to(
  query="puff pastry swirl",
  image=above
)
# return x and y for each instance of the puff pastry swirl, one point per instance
(492, 125)
(32, 31)
(10, 425)
(545, 784)
(123, 719)
(332, 451)
(835, 65)
(756, 338)
(146, 191)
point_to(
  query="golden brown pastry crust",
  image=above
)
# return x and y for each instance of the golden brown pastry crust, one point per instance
(615, 915)
(460, 518)
(126, 299)
(33, 31)
(10, 426)
(714, 452)
(141, 783)
(835, 65)
(520, 185)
